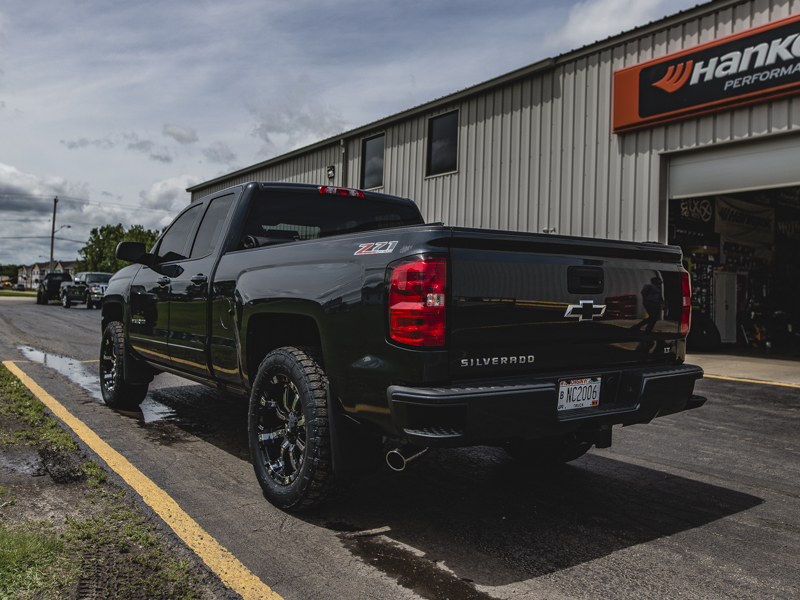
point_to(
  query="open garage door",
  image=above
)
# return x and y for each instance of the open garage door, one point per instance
(735, 212)
(770, 163)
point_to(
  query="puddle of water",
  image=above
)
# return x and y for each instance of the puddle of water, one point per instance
(19, 461)
(69, 367)
(153, 411)
(86, 377)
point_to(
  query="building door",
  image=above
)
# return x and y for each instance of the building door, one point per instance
(725, 305)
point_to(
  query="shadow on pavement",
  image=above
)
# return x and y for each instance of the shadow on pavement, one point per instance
(490, 519)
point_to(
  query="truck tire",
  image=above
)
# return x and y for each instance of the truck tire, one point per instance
(289, 431)
(65, 301)
(117, 393)
(89, 304)
(39, 298)
(548, 452)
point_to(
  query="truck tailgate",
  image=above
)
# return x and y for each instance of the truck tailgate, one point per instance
(528, 303)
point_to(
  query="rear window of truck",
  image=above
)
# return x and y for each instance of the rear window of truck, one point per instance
(307, 216)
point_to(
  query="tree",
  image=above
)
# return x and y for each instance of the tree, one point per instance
(9, 270)
(99, 253)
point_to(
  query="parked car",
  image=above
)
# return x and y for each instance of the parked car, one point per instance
(20, 287)
(86, 288)
(50, 287)
(348, 321)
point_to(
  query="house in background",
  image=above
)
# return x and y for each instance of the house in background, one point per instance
(30, 275)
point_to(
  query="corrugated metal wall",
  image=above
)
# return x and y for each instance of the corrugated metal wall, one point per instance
(539, 153)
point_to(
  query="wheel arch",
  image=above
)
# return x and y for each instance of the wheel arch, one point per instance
(112, 310)
(268, 330)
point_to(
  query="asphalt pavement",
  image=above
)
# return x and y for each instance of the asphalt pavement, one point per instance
(702, 504)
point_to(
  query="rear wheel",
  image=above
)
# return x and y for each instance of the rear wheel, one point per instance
(288, 430)
(117, 393)
(549, 452)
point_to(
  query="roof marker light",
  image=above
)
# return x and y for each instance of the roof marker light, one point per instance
(340, 191)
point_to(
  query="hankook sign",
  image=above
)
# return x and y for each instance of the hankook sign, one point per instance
(751, 66)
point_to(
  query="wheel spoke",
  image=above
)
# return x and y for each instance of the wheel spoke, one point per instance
(292, 460)
(273, 435)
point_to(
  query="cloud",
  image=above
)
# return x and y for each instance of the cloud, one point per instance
(182, 135)
(294, 117)
(593, 20)
(131, 140)
(102, 143)
(168, 194)
(219, 152)
(33, 194)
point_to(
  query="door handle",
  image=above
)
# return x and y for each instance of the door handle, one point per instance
(163, 281)
(199, 279)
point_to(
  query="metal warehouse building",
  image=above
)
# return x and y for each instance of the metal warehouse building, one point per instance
(684, 131)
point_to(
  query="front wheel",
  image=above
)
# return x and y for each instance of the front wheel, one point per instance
(288, 430)
(89, 304)
(65, 301)
(117, 393)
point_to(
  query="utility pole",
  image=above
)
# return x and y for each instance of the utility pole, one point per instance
(53, 233)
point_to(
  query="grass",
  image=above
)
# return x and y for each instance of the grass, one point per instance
(31, 557)
(38, 429)
(13, 293)
(115, 549)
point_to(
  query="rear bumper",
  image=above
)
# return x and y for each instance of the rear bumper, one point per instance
(490, 412)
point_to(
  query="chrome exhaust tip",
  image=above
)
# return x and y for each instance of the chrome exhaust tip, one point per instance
(398, 458)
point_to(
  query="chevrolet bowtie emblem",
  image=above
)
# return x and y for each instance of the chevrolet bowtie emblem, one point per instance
(585, 311)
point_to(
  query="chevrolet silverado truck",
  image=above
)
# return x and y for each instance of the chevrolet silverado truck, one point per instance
(86, 288)
(354, 329)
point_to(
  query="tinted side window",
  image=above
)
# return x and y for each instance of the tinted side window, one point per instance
(443, 144)
(174, 241)
(211, 226)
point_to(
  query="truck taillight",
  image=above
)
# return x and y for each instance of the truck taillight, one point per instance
(686, 306)
(417, 298)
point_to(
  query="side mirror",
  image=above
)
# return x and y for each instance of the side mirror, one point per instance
(135, 252)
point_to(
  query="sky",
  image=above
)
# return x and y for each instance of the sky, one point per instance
(117, 107)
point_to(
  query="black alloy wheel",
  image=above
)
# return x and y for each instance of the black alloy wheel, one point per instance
(117, 393)
(288, 430)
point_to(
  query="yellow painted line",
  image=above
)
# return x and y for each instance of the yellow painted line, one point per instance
(232, 572)
(791, 385)
(88, 361)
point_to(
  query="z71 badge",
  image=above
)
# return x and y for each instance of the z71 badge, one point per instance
(376, 248)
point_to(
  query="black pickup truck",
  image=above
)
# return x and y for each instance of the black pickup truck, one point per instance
(349, 323)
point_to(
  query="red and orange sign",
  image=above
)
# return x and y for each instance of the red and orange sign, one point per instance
(752, 66)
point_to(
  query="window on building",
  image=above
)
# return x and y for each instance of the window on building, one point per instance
(372, 162)
(443, 144)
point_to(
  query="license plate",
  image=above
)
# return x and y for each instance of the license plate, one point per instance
(578, 393)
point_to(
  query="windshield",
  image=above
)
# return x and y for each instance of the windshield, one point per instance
(60, 277)
(98, 277)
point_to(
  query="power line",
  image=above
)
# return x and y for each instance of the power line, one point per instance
(41, 237)
(83, 201)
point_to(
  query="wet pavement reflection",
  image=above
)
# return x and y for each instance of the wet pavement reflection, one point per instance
(173, 409)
